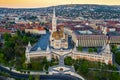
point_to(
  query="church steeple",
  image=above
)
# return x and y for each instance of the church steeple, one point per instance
(27, 50)
(54, 21)
(29, 44)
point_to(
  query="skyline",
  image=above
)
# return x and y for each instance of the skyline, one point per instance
(47, 3)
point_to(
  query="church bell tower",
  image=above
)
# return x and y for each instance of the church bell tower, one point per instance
(54, 21)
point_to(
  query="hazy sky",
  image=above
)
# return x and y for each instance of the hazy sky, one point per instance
(44, 3)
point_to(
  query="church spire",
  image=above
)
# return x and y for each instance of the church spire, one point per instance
(29, 44)
(54, 21)
(54, 13)
(27, 50)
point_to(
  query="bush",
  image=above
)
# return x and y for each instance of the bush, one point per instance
(90, 50)
(79, 48)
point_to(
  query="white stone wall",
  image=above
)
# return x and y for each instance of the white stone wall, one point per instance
(96, 57)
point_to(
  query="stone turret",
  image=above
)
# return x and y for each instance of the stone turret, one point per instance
(27, 52)
(29, 45)
(28, 48)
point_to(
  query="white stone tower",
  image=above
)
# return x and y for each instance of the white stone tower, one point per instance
(29, 45)
(54, 21)
(27, 53)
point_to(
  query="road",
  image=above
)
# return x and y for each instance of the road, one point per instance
(13, 74)
(42, 77)
(61, 61)
(61, 57)
(103, 70)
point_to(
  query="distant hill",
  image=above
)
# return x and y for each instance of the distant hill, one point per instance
(75, 10)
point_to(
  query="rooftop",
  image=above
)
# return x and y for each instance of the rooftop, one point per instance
(39, 28)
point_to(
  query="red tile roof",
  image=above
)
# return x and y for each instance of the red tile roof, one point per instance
(2, 30)
(39, 28)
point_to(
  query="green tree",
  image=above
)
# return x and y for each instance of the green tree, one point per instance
(6, 36)
(84, 67)
(95, 50)
(24, 66)
(117, 57)
(69, 61)
(30, 77)
(9, 53)
(19, 50)
(37, 77)
(1, 57)
(79, 48)
(14, 50)
(115, 76)
(114, 48)
(44, 60)
(18, 33)
(9, 43)
(90, 50)
(36, 66)
(25, 39)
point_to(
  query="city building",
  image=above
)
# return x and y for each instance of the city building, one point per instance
(104, 56)
(39, 30)
(3, 30)
(91, 40)
(58, 38)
